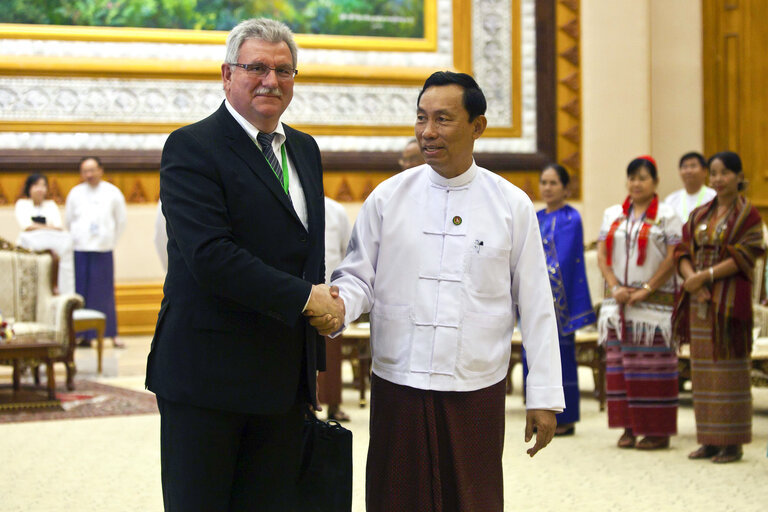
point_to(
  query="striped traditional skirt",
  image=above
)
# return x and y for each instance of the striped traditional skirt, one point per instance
(435, 451)
(641, 385)
(722, 393)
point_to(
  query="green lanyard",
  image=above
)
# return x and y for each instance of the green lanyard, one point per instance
(285, 168)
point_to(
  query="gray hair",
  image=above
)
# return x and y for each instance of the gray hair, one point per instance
(264, 29)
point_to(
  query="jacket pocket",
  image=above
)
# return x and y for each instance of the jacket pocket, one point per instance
(391, 333)
(485, 342)
(488, 272)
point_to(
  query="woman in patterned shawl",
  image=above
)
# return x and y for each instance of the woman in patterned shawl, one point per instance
(721, 241)
(562, 235)
(635, 253)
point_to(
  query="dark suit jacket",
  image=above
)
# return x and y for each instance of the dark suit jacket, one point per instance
(230, 334)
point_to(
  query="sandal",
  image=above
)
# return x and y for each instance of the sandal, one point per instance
(338, 415)
(565, 430)
(627, 440)
(705, 451)
(653, 443)
(730, 453)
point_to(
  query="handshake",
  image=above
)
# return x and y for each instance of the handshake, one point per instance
(325, 309)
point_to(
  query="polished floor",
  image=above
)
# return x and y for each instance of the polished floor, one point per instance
(113, 463)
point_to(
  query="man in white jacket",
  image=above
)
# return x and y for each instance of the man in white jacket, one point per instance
(693, 172)
(95, 216)
(441, 255)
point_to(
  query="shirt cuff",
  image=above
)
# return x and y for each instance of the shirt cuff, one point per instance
(336, 334)
(550, 398)
(307, 303)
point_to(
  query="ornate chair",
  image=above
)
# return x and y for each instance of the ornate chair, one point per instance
(28, 296)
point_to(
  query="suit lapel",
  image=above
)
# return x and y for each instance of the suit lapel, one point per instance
(242, 145)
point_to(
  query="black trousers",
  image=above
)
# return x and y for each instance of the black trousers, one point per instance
(221, 461)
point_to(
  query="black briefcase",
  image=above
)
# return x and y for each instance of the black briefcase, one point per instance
(325, 480)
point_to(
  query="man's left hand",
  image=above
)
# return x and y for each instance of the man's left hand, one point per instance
(545, 424)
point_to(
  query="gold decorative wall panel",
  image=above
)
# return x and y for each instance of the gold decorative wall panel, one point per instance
(735, 81)
(569, 92)
(353, 175)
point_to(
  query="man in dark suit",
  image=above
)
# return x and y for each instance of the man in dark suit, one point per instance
(234, 361)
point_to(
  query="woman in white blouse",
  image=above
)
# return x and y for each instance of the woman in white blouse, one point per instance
(41, 229)
(636, 257)
(36, 212)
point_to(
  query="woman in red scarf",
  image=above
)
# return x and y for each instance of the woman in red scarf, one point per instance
(636, 258)
(721, 241)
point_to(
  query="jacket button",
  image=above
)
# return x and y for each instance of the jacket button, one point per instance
(302, 238)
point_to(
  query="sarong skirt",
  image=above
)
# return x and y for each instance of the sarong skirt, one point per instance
(435, 451)
(95, 281)
(722, 397)
(641, 385)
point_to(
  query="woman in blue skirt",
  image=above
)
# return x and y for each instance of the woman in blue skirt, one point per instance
(562, 235)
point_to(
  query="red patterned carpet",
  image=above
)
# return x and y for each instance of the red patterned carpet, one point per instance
(90, 399)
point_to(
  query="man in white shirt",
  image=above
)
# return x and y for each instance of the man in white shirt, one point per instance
(337, 231)
(693, 172)
(441, 255)
(95, 216)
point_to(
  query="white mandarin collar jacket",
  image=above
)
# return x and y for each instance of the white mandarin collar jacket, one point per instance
(442, 265)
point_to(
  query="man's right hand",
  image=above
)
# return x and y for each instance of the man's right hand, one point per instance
(325, 309)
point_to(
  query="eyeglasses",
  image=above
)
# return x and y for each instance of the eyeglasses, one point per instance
(261, 70)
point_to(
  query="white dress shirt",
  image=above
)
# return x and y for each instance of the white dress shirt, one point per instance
(684, 203)
(294, 183)
(95, 216)
(441, 264)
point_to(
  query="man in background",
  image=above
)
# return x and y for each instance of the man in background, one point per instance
(411, 156)
(95, 216)
(337, 231)
(695, 192)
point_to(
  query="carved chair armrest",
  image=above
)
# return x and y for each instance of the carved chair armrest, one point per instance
(58, 313)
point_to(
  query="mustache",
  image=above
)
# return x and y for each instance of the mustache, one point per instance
(267, 90)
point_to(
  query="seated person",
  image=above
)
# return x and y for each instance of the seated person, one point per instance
(40, 222)
(37, 212)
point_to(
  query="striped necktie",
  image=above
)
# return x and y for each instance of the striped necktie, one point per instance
(265, 140)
